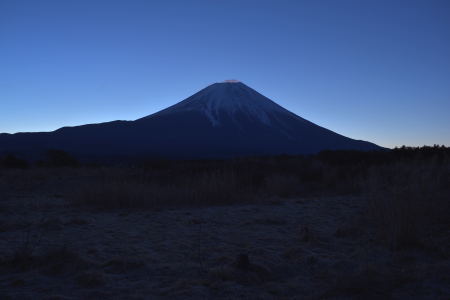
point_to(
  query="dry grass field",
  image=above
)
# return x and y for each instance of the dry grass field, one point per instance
(333, 226)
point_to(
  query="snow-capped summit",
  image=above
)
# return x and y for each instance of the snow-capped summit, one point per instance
(226, 100)
(225, 119)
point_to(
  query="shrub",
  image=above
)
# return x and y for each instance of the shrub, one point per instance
(12, 162)
(59, 158)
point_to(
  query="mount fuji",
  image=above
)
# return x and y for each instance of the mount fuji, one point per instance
(225, 119)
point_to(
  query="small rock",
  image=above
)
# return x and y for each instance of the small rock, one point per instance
(242, 262)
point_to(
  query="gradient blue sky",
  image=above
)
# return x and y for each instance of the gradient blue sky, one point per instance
(374, 70)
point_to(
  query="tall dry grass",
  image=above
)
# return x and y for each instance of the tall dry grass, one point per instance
(408, 199)
(112, 192)
(407, 188)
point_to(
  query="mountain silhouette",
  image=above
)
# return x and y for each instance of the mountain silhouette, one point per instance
(225, 119)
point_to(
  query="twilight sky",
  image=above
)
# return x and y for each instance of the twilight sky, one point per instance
(377, 70)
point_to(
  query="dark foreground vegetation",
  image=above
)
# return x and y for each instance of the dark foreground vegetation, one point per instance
(398, 200)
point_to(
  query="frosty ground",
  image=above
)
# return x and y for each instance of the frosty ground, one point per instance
(297, 248)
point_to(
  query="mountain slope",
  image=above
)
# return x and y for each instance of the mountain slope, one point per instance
(222, 120)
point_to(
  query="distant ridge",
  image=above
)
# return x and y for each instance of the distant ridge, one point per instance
(225, 119)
